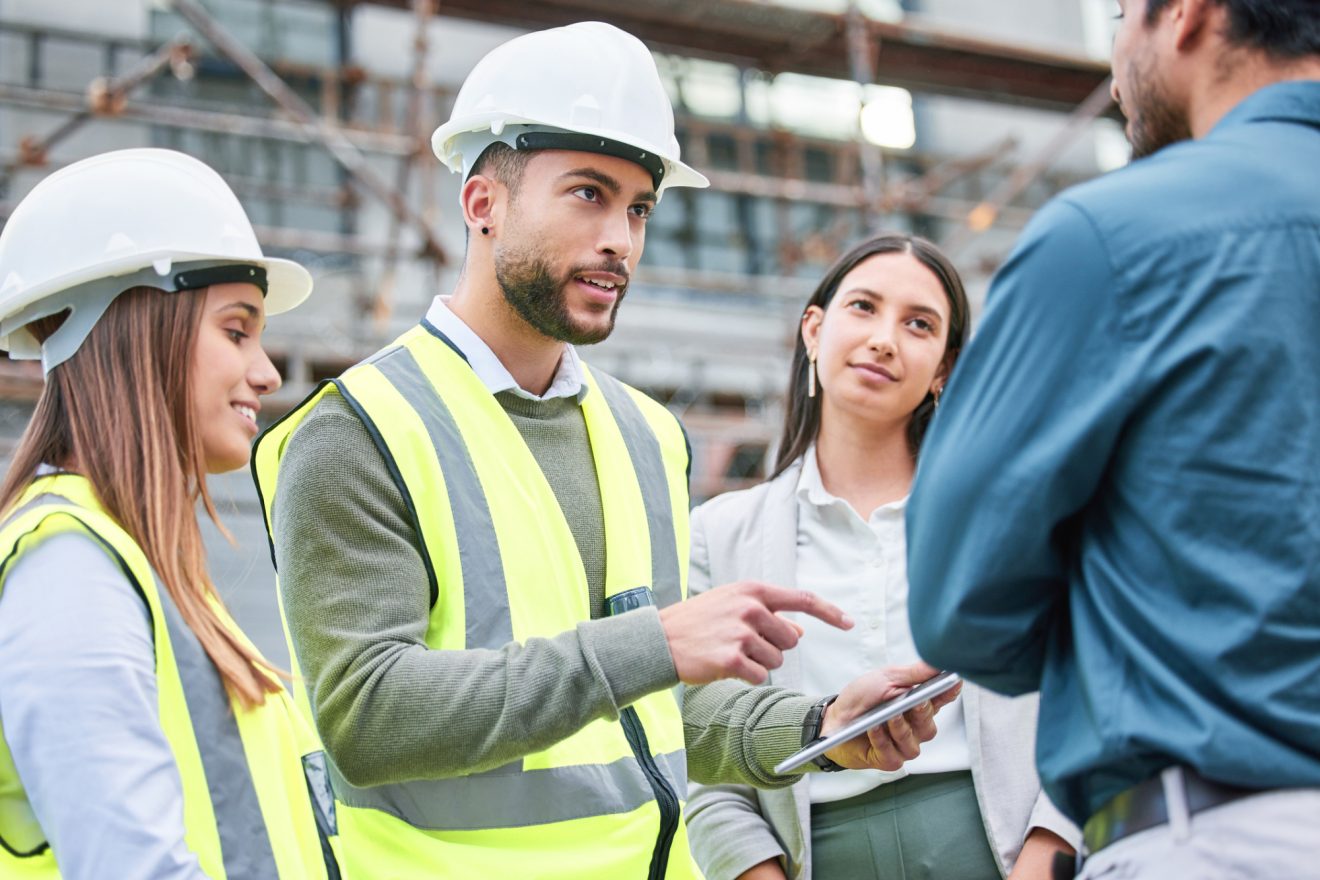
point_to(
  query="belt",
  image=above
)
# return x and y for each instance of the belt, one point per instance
(1151, 803)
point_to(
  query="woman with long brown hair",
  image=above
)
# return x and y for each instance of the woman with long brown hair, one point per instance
(876, 344)
(143, 735)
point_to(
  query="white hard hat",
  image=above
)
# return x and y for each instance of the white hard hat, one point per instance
(119, 220)
(586, 86)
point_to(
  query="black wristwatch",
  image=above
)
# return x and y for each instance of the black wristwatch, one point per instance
(811, 733)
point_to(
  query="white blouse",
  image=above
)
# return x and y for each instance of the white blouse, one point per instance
(861, 566)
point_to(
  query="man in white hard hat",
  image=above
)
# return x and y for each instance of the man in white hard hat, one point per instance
(482, 543)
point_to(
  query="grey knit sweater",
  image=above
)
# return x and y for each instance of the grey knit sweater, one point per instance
(357, 601)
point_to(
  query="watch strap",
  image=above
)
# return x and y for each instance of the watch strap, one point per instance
(811, 732)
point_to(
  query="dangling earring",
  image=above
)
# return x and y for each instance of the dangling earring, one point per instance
(811, 374)
(935, 393)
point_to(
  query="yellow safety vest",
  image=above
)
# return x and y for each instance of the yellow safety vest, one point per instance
(606, 802)
(256, 797)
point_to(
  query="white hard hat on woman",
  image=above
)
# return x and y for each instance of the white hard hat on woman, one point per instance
(128, 218)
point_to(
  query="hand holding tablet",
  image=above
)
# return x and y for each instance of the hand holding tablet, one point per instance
(880, 719)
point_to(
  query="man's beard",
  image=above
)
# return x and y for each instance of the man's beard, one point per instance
(1153, 121)
(540, 299)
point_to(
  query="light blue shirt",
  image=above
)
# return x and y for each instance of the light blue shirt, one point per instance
(1118, 502)
(82, 718)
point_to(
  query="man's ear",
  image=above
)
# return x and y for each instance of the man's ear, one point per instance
(481, 199)
(1192, 20)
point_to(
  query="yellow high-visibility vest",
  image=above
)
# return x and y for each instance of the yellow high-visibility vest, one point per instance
(256, 795)
(605, 803)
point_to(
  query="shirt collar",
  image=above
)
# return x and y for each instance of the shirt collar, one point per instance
(568, 381)
(811, 488)
(1293, 101)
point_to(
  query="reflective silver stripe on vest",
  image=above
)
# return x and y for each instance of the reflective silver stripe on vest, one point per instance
(510, 797)
(485, 597)
(649, 465)
(244, 842)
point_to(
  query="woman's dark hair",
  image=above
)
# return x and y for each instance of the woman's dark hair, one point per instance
(802, 413)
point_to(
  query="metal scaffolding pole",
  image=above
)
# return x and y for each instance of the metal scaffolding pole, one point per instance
(983, 216)
(914, 193)
(862, 65)
(382, 304)
(212, 121)
(105, 97)
(316, 129)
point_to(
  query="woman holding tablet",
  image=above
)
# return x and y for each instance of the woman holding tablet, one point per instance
(878, 339)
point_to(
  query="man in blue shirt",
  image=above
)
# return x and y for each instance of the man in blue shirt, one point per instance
(1118, 503)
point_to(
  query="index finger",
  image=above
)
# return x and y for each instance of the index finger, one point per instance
(784, 599)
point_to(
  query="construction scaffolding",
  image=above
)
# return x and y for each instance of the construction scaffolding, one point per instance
(333, 161)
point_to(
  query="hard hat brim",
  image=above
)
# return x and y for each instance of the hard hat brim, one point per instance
(677, 172)
(288, 283)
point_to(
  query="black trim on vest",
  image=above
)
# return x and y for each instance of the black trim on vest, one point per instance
(114, 554)
(687, 444)
(665, 798)
(27, 855)
(317, 774)
(118, 560)
(252, 466)
(440, 334)
(397, 476)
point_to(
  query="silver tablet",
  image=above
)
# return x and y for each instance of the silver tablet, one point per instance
(931, 687)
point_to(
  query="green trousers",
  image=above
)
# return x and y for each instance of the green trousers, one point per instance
(922, 827)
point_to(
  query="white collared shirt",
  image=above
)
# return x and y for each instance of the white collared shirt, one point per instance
(568, 381)
(861, 566)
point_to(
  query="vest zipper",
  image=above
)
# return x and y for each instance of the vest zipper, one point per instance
(664, 795)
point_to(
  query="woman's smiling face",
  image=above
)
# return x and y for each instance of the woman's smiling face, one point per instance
(231, 372)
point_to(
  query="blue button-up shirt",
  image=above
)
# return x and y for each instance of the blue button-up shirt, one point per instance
(1118, 502)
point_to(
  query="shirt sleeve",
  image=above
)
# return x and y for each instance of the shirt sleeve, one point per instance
(81, 717)
(358, 603)
(735, 732)
(1021, 441)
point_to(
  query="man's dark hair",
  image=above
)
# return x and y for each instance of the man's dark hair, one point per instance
(1281, 28)
(503, 163)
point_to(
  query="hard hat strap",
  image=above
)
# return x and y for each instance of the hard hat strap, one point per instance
(234, 273)
(590, 143)
(87, 302)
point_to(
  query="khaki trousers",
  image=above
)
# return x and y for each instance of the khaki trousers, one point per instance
(1272, 836)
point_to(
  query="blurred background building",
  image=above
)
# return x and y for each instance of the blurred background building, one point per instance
(816, 120)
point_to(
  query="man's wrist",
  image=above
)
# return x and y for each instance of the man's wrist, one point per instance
(811, 732)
